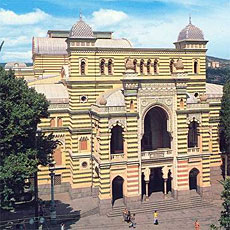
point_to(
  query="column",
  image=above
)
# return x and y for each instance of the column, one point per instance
(165, 185)
(147, 188)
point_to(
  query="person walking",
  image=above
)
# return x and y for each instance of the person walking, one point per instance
(155, 217)
(132, 221)
(125, 215)
(62, 226)
(197, 225)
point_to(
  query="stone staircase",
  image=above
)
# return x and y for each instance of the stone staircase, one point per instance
(169, 204)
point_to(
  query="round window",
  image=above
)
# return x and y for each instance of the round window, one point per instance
(196, 94)
(84, 164)
(83, 99)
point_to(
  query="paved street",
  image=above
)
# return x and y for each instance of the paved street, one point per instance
(183, 219)
(84, 215)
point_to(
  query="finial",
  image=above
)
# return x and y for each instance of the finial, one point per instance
(80, 15)
(190, 19)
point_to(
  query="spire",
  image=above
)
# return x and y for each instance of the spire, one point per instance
(80, 15)
(190, 19)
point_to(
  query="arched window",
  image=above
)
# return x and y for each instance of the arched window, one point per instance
(142, 66)
(171, 66)
(149, 66)
(52, 122)
(155, 67)
(193, 135)
(131, 106)
(110, 66)
(135, 65)
(59, 122)
(116, 143)
(195, 67)
(82, 67)
(83, 143)
(181, 103)
(102, 66)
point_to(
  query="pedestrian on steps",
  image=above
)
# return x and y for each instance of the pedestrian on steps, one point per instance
(62, 226)
(197, 225)
(155, 217)
(132, 221)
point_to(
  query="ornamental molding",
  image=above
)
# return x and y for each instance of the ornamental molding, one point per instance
(117, 121)
(151, 89)
(194, 117)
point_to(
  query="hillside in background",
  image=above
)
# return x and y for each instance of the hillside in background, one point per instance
(218, 70)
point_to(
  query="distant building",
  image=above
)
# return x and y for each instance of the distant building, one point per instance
(21, 70)
(132, 122)
(214, 64)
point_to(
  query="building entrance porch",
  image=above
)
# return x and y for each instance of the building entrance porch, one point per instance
(155, 182)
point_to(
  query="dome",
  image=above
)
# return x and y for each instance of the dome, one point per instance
(103, 101)
(190, 32)
(179, 64)
(81, 30)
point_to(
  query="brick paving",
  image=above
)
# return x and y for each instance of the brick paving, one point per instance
(90, 219)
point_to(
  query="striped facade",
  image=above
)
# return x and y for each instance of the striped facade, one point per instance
(122, 97)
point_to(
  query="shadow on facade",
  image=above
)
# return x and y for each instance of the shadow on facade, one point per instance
(24, 212)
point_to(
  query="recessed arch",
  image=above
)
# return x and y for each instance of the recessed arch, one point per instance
(117, 188)
(155, 129)
(117, 140)
(193, 178)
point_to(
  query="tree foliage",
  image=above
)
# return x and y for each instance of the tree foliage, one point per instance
(218, 75)
(21, 110)
(225, 118)
(225, 214)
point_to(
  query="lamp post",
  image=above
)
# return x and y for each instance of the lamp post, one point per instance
(52, 170)
(52, 203)
(38, 131)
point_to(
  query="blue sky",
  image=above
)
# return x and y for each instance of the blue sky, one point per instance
(146, 23)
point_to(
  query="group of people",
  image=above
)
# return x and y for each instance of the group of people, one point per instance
(129, 218)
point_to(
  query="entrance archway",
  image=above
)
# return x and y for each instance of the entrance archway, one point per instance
(156, 181)
(117, 188)
(155, 130)
(193, 174)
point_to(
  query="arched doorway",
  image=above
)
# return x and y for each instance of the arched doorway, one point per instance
(155, 130)
(193, 179)
(116, 143)
(156, 181)
(117, 188)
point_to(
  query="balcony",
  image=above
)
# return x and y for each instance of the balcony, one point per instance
(155, 154)
(117, 156)
(193, 150)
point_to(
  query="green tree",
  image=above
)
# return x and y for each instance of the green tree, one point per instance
(21, 110)
(225, 214)
(225, 123)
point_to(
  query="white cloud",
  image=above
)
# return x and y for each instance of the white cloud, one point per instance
(8, 17)
(17, 56)
(107, 17)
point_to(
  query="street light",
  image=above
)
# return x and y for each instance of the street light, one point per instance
(52, 203)
(38, 131)
(52, 170)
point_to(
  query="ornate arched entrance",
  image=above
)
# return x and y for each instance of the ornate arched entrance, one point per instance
(117, 188)
(193, 179)
(155, 130)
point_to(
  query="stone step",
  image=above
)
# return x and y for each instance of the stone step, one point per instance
(163, 206)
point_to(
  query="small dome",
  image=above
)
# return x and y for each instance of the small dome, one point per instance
(179, 64)
(103, 101)
(129, 64)
(81, 30)
(190, 32)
